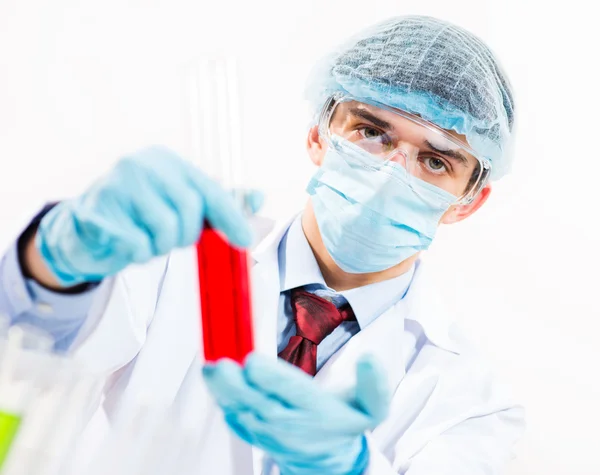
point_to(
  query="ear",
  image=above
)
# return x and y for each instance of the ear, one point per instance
(457, 213)
(315, 146)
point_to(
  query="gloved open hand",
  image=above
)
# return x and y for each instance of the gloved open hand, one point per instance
(304, 428)
(147, 205)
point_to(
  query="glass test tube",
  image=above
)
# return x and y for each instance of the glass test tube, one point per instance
(223, 272)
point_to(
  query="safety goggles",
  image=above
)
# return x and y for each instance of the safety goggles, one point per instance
(392, 136)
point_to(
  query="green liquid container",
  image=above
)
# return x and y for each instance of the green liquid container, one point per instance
(9, 425)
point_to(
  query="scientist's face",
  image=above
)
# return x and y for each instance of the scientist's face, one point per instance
(387, 135)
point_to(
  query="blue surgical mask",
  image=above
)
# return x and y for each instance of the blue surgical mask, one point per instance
(372, 215)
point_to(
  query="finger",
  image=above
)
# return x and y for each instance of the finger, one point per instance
(291, 443)
(226, 383)
(188, 206)
(254, 200)
(159, 219)
(296, 390)
(238, 429)
(221, 210)
(137, 189)
(233, 393)
(260, 434)
(372, 390)
(282, 381)
(170, 179)
(105, 239)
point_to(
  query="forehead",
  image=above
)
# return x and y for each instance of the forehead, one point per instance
(400, 122)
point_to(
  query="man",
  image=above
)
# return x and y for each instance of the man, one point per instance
(413, 118)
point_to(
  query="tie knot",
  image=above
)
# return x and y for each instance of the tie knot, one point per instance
(317, 317)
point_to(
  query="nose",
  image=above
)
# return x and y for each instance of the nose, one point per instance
(404, 153)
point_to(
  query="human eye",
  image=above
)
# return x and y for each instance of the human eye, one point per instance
(375, 138)
(435, 165)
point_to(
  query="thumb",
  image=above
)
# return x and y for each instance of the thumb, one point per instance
(253, 200)
(372, 389)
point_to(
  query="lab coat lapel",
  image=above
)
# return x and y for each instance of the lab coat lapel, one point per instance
(383, 337)
(424, 306)
(265, 290)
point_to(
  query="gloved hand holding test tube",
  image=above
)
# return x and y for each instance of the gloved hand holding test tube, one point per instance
(152, 440)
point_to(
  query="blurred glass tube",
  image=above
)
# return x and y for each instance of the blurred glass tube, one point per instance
(151, 441)
(20, 364)
(223, 271)
(215, 122)
(45, 400)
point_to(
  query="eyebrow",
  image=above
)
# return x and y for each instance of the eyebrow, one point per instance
(449, 153)
(371, 118)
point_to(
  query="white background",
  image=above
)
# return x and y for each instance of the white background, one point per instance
(83, 82)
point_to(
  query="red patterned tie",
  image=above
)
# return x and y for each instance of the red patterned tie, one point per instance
(315, 318)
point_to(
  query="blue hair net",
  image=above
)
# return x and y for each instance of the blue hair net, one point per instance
(431, 68)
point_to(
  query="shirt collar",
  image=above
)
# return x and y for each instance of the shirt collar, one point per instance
(297, 264)
(298, 268)
(372, 300)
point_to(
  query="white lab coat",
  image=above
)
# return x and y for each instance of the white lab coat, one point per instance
(448, 414)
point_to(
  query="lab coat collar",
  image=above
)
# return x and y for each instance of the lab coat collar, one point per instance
(371, 301)
(265, 283)
(266, 251)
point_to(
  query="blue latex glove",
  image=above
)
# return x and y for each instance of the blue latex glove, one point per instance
(147, 205)
(304, 428)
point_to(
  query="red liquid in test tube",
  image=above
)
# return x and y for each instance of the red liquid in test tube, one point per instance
(225, 298)
(223, 271)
